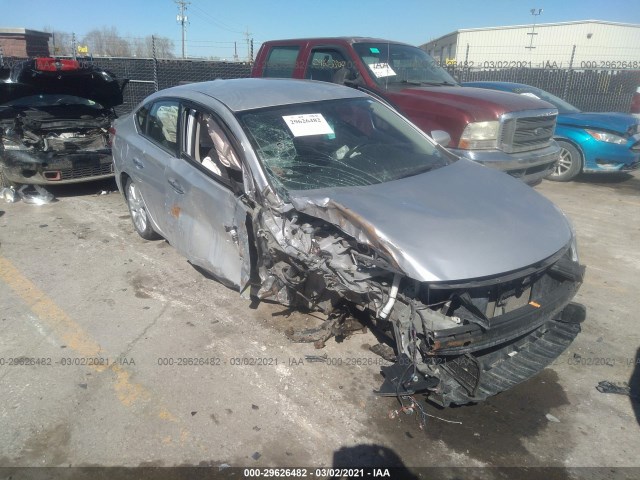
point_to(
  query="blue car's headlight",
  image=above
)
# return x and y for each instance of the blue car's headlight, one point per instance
(607, 137)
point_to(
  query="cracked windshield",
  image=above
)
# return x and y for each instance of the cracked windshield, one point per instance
(344, 143)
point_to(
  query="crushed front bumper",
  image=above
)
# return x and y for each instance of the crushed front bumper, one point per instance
(475, 377)
(51, 168)
(474, 360)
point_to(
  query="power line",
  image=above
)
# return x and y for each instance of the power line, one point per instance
(218, 22)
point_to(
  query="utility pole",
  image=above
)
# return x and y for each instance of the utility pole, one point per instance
(73, 46)
(182, 19)
(535, 13)
(247, 35)
(235, 51)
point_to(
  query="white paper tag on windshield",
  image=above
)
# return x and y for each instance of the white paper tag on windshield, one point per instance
(529, 94)
(307, 124)
(381, 70)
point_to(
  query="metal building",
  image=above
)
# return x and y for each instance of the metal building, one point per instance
(585, 44)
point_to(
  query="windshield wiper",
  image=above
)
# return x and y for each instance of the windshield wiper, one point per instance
(409, 82)
(418, 83)
(437, 84)
(418, 171)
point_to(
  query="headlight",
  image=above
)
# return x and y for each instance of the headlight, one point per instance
(574, 249)
(574, 241)
(607, 137)
(480, 135)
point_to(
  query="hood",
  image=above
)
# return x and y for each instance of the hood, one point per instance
(477, 103)
(621, 123)
(463, 221)
(84, 81)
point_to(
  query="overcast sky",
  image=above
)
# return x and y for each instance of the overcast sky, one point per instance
(214, 26)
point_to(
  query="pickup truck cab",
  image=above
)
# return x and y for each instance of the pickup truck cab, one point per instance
(509, 132)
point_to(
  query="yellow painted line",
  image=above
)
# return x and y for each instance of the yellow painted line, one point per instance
(75, 337)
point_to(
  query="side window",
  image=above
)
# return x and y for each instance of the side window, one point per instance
(141, 119)
(206, 142)
(324, 64)
(162, 124)
(281, 62)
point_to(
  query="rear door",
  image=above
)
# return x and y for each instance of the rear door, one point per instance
(155, 147)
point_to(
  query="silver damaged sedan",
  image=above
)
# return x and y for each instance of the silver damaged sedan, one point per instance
(321, 197)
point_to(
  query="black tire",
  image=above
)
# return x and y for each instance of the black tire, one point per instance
(569, 164)
(138, 211)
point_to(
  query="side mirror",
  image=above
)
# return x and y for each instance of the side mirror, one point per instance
(441, 137)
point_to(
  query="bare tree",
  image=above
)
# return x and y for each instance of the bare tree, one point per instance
(164, 47)
(60, 43)
(106, 42)
(143, 47)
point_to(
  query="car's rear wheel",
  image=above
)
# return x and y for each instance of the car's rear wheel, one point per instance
(138, 211)
(569, 164)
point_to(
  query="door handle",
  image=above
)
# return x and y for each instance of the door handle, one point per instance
(137, 163)
(175, 185)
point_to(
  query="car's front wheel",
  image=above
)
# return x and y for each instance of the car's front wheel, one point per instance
(138, 211)
(569, 164)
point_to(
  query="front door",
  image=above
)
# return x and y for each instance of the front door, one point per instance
(206, 216)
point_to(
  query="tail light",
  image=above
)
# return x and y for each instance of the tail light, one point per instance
(49, 64)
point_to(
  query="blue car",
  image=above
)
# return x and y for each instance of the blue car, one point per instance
(590, 142)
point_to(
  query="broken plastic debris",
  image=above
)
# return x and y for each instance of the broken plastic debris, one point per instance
(316, 358)
(618, 388)
(35, 195)
(8, 194)
(551, 418)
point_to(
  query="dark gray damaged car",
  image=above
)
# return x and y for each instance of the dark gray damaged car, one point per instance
(320, 197)
(54, 118)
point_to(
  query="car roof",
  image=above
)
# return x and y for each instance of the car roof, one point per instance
(250, 93)
(335, 39)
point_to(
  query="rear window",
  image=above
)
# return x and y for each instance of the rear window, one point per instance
(281, 62)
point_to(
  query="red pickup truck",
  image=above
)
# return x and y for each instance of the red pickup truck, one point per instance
(509, 132)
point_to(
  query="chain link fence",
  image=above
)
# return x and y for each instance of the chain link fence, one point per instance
(572, 74)
(148, 75)
(608, 90)
(593, 79)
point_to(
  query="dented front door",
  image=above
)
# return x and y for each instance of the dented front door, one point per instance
(207, 222)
